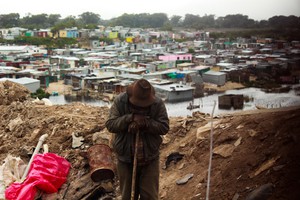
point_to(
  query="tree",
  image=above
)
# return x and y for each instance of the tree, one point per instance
(167, 26)
(158, 20)
(143, 20)
(9, 20)
(284, 21)
(192, 21)
(35, 21)
(175, 20)
(235, 21)
(68, 22)
(87, 18)
(125, 20)
(208, 21)
(191, 50)
(53, 19)
(40, 93)
(263, 24)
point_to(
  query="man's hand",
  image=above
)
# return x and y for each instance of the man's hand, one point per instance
(141, 120)
(133, 127)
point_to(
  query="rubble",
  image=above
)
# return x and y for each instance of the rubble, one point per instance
(10, 92)
(265, 142)
(185, 179)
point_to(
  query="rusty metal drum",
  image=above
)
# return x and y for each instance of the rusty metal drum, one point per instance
(101, 162)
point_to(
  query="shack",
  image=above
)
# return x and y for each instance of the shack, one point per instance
(174, 92)
(218, 78)
(31, 84)
(231, 100)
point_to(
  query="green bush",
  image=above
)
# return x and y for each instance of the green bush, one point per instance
(40, 93)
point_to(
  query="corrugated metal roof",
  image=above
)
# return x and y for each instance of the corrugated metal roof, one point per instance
(174, 87)
(214, 73)
(22, 81)
(13, 48)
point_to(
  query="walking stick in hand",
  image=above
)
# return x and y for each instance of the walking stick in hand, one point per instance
(134, 165)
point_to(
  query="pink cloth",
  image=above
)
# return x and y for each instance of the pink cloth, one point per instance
(47, 173)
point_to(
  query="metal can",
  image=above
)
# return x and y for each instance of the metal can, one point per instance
(101, 162)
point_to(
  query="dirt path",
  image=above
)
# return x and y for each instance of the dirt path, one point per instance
(228, 86)
(59, 87)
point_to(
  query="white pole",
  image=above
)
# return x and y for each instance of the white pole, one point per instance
(210, 152)
(37, 149)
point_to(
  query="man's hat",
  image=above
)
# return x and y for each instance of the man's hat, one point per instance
(141, 93)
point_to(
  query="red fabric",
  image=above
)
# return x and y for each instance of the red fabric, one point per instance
(47, 173)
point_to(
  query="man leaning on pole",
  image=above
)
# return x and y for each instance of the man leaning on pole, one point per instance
(138, 118)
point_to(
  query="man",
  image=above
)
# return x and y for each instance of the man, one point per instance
(138, 110)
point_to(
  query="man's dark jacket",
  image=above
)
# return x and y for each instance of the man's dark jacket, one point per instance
(119, 119)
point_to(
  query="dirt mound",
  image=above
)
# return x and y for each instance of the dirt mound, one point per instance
(251, 149)
(22, 124)
(10, 92)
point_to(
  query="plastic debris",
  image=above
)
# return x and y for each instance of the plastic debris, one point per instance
(47, 174)
(185, 179)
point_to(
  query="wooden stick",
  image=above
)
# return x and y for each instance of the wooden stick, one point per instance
(134, 165)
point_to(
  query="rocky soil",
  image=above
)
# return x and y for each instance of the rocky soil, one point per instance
(254, 152)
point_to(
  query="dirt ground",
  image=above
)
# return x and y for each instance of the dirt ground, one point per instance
(58, 87)
(228, 86)
(253, 151)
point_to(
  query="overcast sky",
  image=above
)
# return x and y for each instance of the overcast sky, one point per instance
(255, 9)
